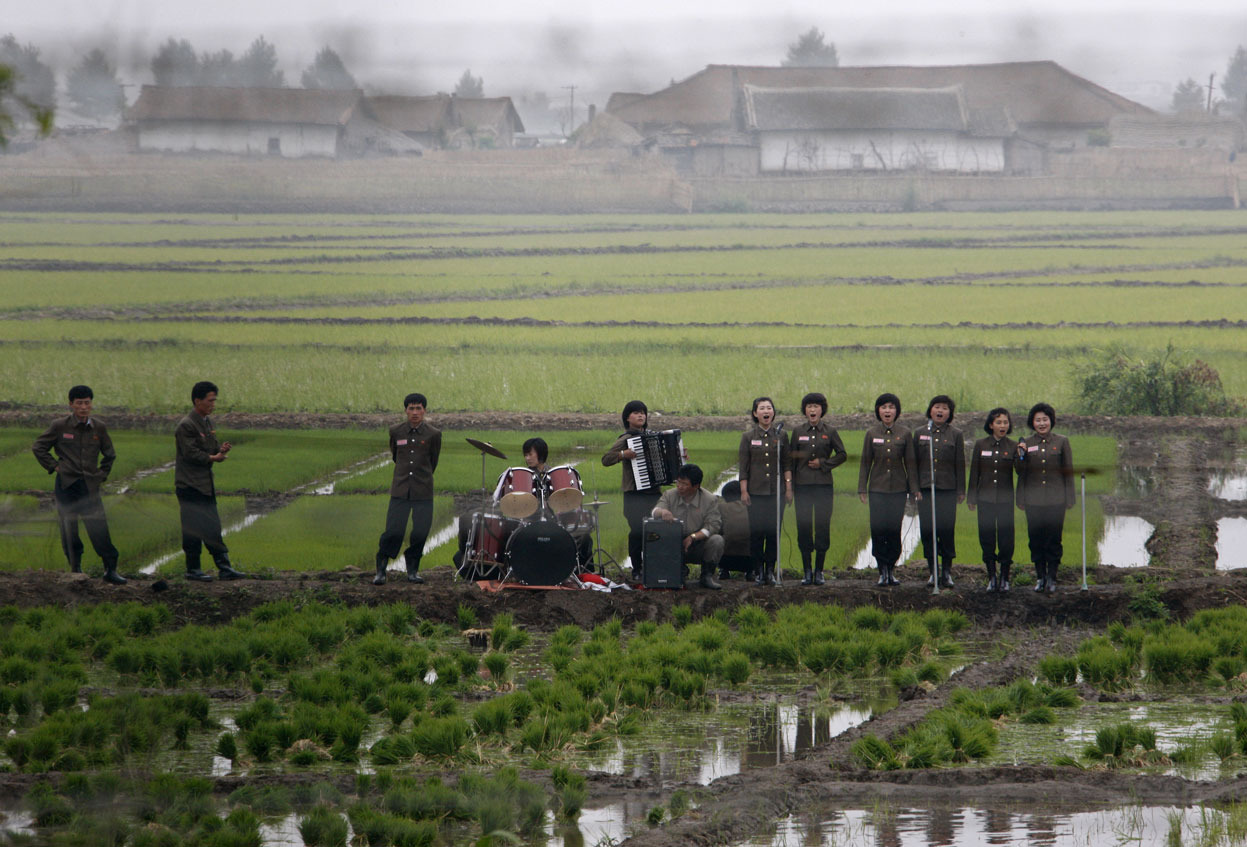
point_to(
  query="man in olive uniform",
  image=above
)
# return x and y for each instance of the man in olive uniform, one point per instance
(415, 445)
(698, 510)
(197, 451)
(84, 456)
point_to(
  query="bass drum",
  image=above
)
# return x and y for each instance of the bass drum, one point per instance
(541, 553)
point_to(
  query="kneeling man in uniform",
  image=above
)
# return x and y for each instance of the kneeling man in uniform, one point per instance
(699, 510)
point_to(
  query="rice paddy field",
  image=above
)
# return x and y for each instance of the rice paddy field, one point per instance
(308, 707)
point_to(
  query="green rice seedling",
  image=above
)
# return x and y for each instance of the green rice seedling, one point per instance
(1104, 666)
(735, 668)
(751, 619)
(681, 616)
(465, 616)
(441, 738)
(48, 807)
(260, 742)
(890, 650)
(825, 657)
(870, 618)
(1223, 746)
(902, 678)
(1059, 670)
(656, 816)
(1039, 715)
(1180, 657)
(708, 635)
(392, 750)
(493, 717)
(323, 827)
(447, 669)
(969, 702)
(969, 738)
(397, 709)
(932, 672)
(873, 753)
(568, 635)
(1238, 711)
(569, 790)
(1189, 754)
(1059, 698)
(941, 622)
(558, 657)
(405, 833)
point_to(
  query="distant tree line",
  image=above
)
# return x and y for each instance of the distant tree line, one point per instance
(1191, 96)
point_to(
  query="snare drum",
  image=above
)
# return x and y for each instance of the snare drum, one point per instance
(515, 493)
(566, 492)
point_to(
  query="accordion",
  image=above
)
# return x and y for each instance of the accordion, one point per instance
(658, 457)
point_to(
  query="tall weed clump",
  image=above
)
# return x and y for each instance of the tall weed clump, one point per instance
(1118, 383)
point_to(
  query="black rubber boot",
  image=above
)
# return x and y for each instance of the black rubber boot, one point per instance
(820, 557)
(194, 574)
(946, 574)
(1041, 576)
(413, 573)
(930, 574)
(1003, 585)
(226, 571)
(992, 585)
(707, 578)
(807, 577)
(759, 575)
(892, 580)
(1052, 566)
(883, 574)
(382, 561)
(111, 575)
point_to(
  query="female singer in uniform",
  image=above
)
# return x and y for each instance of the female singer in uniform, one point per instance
(637, 504)
(1045, 464)
(816, 448)
(887, 475)
(942, 447)
(763, 460)
(991, 492)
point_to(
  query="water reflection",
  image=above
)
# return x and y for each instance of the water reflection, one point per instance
(910, 539)
(773, 733)
(1135, 481)
(884, 826)
(1229, 484)
(1231, 544)
(16, 822)
(1124, 542)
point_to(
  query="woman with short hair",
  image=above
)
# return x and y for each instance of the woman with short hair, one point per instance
(940, 453)
(816, 448)
(1045, 463)
(990, 492)
(763, 462)
(886, 477)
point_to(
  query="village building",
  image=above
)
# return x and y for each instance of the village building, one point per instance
(1188, 131)
(286, 122)
(426, 119)
(983, 119)
(443, 121)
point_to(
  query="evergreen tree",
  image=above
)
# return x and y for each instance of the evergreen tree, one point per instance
(93, 86)
(810, 51)
(470, 86)
(257, 68)
(1234, 84)
(176, 63)
(1188, 97)
(31, 79)
(327, 71)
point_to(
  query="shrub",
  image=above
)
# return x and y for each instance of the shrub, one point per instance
(1119, 384)
(323, 827)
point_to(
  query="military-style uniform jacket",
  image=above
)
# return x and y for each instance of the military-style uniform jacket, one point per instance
(612, 457)
(991, 471)
(757, 460)
(821, 442)
(415, 451)
(84, 451)
(949, 447)
(1046, 474)
(700, 513)
(888, 461)
(196, 441)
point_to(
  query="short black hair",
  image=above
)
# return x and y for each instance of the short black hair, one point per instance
(814, 397)
(634, 406)
(753, 413)
(887, 397)
(1036, 409)
(995, 413)
(690, 472)
(731, 491)
(538, 444)
(202, 389)
(947, 401)
(81, 392)
(415, 398)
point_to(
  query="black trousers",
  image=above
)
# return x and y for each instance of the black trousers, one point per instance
(637, 507)
(76, 503)
(201, 527)
(996, 532)
(763, 530)
(886, 513)
(812, 506)
(421, 512)
(945, 523)
(1044, 525)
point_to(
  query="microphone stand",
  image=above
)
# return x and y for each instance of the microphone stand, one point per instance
(935, 555)
(779, 503)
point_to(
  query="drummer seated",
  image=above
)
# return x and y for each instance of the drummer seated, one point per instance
(735, 532)
(699, 510)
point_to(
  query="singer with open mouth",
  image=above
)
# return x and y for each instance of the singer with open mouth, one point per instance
(764, 461)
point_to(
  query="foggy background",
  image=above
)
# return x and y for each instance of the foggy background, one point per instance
(1140, 50)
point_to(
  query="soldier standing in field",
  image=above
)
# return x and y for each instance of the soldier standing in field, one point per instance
(197, 451)
(415, 445)
(84, 456)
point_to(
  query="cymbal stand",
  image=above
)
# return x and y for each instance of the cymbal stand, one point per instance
(600, 556)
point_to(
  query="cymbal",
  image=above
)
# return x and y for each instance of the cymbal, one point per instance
(486, 447)
(597, 503)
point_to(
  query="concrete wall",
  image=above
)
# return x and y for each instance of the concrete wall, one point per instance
(798, 152)
(295, 141)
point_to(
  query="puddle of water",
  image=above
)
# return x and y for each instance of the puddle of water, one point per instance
(1134, 481)
(1136, 825)
(1229, 484)
(159, 562)
(910, 539)
(1231, 544)
(285, 832)
(602, 825)
(736, 738)
(16, 822)
(326, 487)
(1123, 543)
(144, 474)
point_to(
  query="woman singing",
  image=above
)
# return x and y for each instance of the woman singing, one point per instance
(763, 459)
(637, 504)
(886, 477)
(1045, 465)
(816, 448)
(991, 492)
(940, 449)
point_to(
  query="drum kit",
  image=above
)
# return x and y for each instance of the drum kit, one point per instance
(531, 536)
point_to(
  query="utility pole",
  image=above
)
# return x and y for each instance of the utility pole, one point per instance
(571, 114)
(1211, 77)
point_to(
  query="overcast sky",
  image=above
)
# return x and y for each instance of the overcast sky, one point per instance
(1140, 49)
